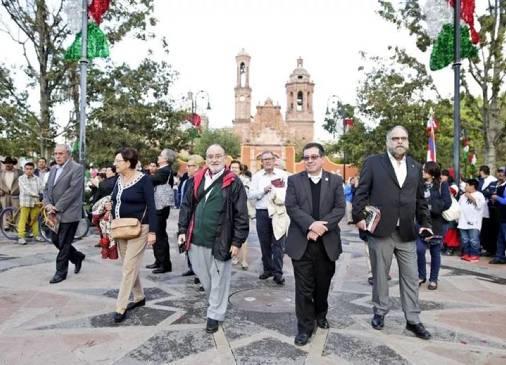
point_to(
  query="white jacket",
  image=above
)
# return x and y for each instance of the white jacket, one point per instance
(277, 211)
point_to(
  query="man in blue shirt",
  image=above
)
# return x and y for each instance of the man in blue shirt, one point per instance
(499, 198)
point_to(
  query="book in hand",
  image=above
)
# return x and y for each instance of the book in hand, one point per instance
(278, 183)
(372, 218)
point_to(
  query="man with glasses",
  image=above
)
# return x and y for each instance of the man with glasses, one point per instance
(315, 203)
(63, 197)
(262, 187)
(393, 183)
(213, 225)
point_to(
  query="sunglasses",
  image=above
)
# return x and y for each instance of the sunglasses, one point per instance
(311, 157)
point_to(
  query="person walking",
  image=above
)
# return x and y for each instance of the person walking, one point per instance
(437, 194)
(263, 183)
(213, 225)
(63, 200)
(393, 183)
(30, 190)
(9, 184)
(132, 197)
(163, 181)
(315, 204)
(471, 204)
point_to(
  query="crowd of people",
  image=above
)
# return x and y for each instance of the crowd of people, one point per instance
(421, 208)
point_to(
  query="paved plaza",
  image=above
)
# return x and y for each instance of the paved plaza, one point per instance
(71, 322)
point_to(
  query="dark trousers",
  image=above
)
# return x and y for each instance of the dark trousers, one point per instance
(161, 247)
(435, 258)
(66, 252)
(272, 249)
(489, 232)
(313, 273)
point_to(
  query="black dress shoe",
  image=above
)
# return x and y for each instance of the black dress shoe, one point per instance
(153, 266)
(265, 275)
(212, 325)
(188, 273)
(79, 265)
(196, 280)
(161, 270)
(302, 338)
(370, 280)
(132, 305)
(378, 322)
(57, 279)
(419, 330)
(323, 323)
(119, 317)
(279, 280)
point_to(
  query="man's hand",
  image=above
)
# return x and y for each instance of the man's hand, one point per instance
(312, 236)
(319, 227)
(151, 238)
(50, 208)
(494, 197)
(234, 250)
(267, 189)
(361, 225)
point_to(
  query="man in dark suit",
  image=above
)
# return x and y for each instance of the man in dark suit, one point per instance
(393, 183)
(315, 203)
(63, 196)
(161, 249)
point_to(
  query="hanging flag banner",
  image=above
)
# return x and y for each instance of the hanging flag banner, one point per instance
(97, 9)
(98, 46)
(439, 19)
(431, 131)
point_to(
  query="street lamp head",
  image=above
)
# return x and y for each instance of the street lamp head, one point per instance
(208, 105)
(327, 112)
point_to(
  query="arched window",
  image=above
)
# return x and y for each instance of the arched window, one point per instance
(300, 101)
(242, 72)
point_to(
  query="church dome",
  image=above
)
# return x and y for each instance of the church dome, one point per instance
(300, 73)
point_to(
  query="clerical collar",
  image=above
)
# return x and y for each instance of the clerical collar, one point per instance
(316, 178)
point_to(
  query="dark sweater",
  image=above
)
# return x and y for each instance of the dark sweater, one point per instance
(315, 194)
(135, 201)
(207, 217)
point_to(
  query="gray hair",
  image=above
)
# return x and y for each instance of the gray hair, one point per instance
(168, 155)
(216, 145)
(389, 133)
(65, 146)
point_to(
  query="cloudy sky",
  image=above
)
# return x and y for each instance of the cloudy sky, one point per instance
(205, 35)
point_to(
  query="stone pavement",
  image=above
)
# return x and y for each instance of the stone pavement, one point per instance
(71, 322)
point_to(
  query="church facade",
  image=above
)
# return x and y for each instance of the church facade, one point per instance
(268, 129)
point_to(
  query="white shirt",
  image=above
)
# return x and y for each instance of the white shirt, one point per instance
(486, 182)
(260, 180)
(59, 170)
(316, 178)
(471, 214)
(209, 179)
(9, 178)
(400, 168)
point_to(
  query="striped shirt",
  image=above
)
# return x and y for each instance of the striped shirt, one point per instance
(29, 190)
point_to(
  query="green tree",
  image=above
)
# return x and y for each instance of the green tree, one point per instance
(222, 136)
(39, 29)
(131, 107)
(487, 71)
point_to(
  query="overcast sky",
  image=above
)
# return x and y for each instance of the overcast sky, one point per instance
(204, 37)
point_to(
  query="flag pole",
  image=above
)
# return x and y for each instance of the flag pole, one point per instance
(456, 97)
(83, 66)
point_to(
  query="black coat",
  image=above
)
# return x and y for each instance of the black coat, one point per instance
(378, 186)
(163, 175)
(233, 228)
(299, 206)
(439, 201)
(105, 187)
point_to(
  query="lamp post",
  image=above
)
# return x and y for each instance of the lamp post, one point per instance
(193, 100)
(333, 112)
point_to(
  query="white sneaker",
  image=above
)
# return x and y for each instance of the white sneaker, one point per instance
(39, 239)
(21, 241)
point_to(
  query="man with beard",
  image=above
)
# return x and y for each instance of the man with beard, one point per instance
(213, 225)
(393, 183)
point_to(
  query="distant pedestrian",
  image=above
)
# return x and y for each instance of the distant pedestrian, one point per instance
(30, 190)
(470, 221)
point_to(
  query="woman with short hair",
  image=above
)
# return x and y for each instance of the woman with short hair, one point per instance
(132, 197)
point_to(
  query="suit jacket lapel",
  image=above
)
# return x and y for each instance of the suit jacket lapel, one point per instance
(65, 171)
(412, 172)
(390, 169)
(307, 189)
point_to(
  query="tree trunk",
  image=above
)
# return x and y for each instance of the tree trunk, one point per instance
(42, 55)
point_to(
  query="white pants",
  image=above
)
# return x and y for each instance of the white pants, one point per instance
(215, 277)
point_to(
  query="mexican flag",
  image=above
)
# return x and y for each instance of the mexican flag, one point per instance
(440, 28)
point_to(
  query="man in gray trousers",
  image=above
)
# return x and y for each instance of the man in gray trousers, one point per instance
(393, 183)
(63, 196)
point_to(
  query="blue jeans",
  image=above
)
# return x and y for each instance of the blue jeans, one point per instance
(470, 241)
(435, 258)
(501, 242)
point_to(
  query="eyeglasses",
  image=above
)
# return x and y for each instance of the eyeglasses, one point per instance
(397, 139)
(191, 165)
(268, 159)
(214, 157)
(311, 157)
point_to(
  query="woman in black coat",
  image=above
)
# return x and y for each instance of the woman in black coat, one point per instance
(437, 194)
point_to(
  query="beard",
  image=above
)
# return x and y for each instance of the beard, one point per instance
(398, 152)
